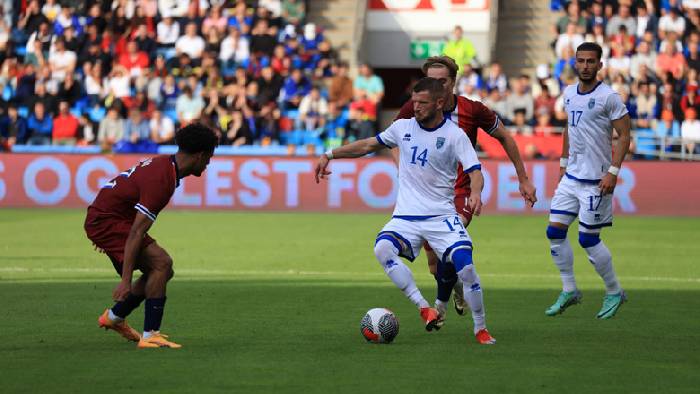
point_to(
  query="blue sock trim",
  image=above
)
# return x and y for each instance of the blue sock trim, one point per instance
(588, 240)
(556, 232)
(461, 258)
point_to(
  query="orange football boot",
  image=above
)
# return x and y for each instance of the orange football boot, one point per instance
(484, 338)
(121, 327)
(431, 318)
(157, 340)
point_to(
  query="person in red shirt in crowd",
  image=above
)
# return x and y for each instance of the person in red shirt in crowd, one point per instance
(690, 100)
(470, 116)
(134, 60)
(118, 221)
(65, 126)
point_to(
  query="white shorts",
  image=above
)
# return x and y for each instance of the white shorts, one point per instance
(574, 198)
(444, 233)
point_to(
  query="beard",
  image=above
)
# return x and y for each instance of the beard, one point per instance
(428, 118)
(590, 79)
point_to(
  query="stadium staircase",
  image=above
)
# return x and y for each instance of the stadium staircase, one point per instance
(524, 35)
(343, 24)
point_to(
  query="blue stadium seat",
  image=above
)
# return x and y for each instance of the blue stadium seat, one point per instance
(23, 111)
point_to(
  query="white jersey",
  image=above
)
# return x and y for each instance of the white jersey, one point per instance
(590, 118)
(428, 160)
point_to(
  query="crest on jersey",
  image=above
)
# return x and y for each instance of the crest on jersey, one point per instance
(440, 142)
(591, 103)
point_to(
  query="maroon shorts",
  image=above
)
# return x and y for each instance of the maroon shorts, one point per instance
(463, 211)
(109, 236)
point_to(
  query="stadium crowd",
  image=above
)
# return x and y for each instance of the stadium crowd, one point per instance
(124, 74)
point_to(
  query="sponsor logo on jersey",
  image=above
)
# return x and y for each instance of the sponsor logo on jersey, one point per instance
(591, 103)
(440, 142)
(407, 137)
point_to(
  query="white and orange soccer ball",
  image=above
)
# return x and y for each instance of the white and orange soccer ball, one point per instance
(379, 325)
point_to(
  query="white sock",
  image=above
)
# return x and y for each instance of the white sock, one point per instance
(114, 317)
(563, 257)
(473, 296)
(441, 306)
(148, 334)
(601, 259)
(398, 272)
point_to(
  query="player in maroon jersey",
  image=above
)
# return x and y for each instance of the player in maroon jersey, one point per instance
(117, 223)
(470, 116)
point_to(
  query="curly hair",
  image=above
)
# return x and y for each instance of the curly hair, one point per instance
(195, 138)
(441, 62)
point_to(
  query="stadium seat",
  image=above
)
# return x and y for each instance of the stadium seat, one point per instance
(23, 111)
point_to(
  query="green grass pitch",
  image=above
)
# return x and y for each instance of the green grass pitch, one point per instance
(273, 302)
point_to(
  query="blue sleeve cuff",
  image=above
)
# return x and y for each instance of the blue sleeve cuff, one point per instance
(472, 168)
(382, 142)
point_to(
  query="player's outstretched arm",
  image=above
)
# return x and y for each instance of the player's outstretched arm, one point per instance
(622, 125)
(349, 151)
(476, 184)
(527, 189)
(131, 252)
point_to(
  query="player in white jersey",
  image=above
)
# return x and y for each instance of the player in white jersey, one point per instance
(430, 149)
(587, 180)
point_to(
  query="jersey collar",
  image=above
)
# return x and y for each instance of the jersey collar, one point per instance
(444, 119)
(591, 91)
(177, 171)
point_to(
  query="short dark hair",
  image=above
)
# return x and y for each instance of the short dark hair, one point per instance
(441, 62)
(431, 85)
(195, 138)
(591, 46)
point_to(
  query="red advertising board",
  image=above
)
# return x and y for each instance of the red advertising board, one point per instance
(362, 185)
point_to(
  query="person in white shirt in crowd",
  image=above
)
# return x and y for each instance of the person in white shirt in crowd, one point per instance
(162, 129)
(167, 32)
(190, 43)
(570, 38)
(690, 131)
(61, 61)
(672, 21)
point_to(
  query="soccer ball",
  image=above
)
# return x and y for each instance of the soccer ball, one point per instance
(379, 326)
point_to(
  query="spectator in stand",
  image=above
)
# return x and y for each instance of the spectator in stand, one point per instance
(369, 83)
(162, 129)
(668, 127)
(690, 131)
(623, 41)
(61, 61)
(673, 21)
(188, 106)
(239, 132)
(597, 16)
(693, 57)
(280, 62)
(39, 126)
(496, 79)
(134, 61)
(363, 115)
(118, 83)
(520, 125)
(646, 21)
(191, 44)
(13, 129)
(623, 17)
(294, 12)
(340, 92)
(520, 99)
(111, 130)
(137, 135)
(235, 48)
(313, 111)
(569, 39)
(269, 86)
(670, 61)
(469, 77)
(646, 105)
(144, 42)
(44, 36)
(642, 56)
(620, 62)
(70, 90)
(573, 15)
(215, 20)
(26, 84)
(544, 103)
(65, 126)
(690, 99)
(168, 31)
(459, 48)
(296, 86)
(544, 128)
(497, 103)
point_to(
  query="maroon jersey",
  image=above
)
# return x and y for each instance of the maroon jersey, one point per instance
(145, 187)
(470, 116)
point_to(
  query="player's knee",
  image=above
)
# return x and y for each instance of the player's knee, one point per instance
(470, 278)
(588, 240)
(386, 250)
(556, 232)
(461, 258)
(171, 273)
(445, 271)
(163, 264)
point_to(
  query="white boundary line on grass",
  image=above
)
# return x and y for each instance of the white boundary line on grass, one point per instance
(278, 273)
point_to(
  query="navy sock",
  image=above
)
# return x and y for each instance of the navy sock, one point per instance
(124, 308)
(154, 314)
(446, 277)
